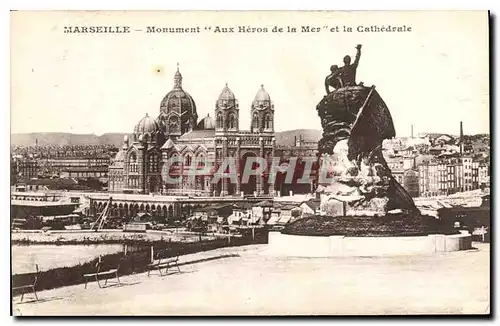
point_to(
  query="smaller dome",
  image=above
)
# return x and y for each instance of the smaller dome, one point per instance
(262, 95)
(206, 123)
(146, 125)
(226, 94)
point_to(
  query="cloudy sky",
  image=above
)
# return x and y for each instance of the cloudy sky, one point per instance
(433, 77)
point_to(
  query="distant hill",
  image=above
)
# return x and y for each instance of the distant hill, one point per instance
(283, 138)
(53, 138)
(113, 138)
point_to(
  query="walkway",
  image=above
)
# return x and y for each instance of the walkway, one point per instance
(254, 282)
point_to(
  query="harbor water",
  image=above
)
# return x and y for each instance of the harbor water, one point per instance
(26, 257)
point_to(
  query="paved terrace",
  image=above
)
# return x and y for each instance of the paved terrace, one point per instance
(254, 282)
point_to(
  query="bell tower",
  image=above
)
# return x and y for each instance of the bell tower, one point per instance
(226, 111)
(262, 113)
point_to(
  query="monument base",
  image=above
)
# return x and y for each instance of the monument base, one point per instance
(343, 246)
(399, 224)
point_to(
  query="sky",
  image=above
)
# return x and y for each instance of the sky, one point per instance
(432, 77)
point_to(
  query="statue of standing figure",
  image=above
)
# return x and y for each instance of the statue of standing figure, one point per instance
(344, 76)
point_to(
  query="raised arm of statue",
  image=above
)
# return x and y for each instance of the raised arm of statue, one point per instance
(358, 55)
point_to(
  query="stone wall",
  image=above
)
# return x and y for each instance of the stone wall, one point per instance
(342, 246)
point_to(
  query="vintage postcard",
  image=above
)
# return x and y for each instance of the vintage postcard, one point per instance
(184, 163)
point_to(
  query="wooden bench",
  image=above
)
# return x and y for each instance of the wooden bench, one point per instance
(26, 288)
(164, 263)
(100, 273)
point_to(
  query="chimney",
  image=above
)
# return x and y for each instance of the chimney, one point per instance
(412, 131)
(461, 137)
(294, 140)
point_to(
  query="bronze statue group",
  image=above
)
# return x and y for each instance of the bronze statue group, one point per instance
(355, 116)
(343, 76)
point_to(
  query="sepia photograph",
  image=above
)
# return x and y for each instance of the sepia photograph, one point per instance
(250, 163)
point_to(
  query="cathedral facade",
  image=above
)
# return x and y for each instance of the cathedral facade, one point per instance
(176, 135)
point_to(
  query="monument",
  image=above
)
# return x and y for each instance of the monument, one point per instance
(355, 122)
(360, 198)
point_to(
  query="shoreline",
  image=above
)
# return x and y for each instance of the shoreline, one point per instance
(136, 260)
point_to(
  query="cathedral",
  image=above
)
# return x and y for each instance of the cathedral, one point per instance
(139, 165)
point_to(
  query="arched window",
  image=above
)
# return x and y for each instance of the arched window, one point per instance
(187, 160)
(219, 120)
(255, 120)
(200, 160)
(133, 163)
(231, 121)
(173, 123)
(267, 121)
(153, 162)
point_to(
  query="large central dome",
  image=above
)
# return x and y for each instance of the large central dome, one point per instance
(179, 101)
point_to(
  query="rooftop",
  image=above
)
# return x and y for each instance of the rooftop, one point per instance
(198, 134)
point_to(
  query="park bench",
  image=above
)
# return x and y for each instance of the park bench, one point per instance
(100, 274)
(29, 287)
(164, 263)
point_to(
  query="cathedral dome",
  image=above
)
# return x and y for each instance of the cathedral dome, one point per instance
(226, 94)
(262, 99)
(262, 95)
(206, 123)
(146, 125)
(178, 100)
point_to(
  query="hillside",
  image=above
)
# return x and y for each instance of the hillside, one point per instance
(61, 138)
(53, 138)
(113, 138)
